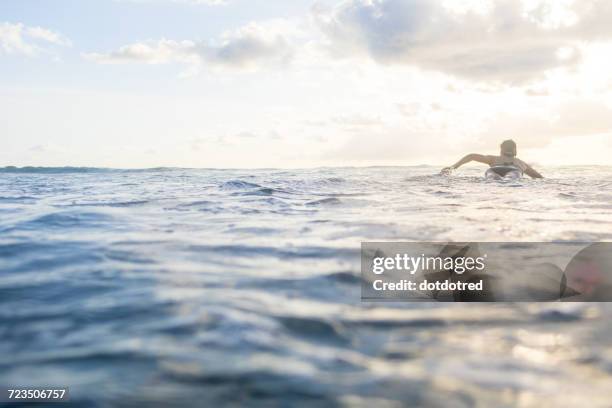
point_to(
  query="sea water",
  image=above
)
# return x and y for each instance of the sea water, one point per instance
(185, 286)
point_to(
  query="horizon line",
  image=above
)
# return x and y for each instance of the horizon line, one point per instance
(28, 167)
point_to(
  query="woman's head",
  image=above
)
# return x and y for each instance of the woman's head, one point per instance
(508, 148)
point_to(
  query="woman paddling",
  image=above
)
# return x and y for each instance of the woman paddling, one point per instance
(504, 164)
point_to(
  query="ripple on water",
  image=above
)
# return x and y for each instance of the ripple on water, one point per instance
(67, 219)
(324, 201)
(237, 184)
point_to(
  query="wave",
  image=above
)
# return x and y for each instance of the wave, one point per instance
(238, 184)
(17, 199)
(263, 191)
(71, 169)
(52, 170)
(249, 251)
(64, 220)
(118, 204)
(324, 201)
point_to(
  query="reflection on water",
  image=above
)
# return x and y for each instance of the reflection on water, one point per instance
(243, 286)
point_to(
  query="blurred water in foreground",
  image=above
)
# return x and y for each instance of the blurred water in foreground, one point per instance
(203, 287)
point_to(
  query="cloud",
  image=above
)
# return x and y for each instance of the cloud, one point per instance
(499, 42)
(250, 46)
(16, 38)
(506, 41)
(161, 52)
(576, 118)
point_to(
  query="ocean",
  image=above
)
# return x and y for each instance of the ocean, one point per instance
(207, 287)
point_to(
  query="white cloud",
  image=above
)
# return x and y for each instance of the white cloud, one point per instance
(416, 141)
(160, 52)
(573, 118)
(506, 40)
(495, 41)
(250, 46)
(49, 36)
(16, 38)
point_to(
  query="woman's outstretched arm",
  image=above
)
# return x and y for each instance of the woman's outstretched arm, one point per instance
(470, 157)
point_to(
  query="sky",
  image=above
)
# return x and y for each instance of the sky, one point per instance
(303, 83)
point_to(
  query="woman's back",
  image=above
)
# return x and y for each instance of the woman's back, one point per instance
(507, 161)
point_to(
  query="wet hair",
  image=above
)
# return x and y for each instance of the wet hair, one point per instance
(508, 148)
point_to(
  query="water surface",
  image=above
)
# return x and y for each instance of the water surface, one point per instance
(242, 286)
